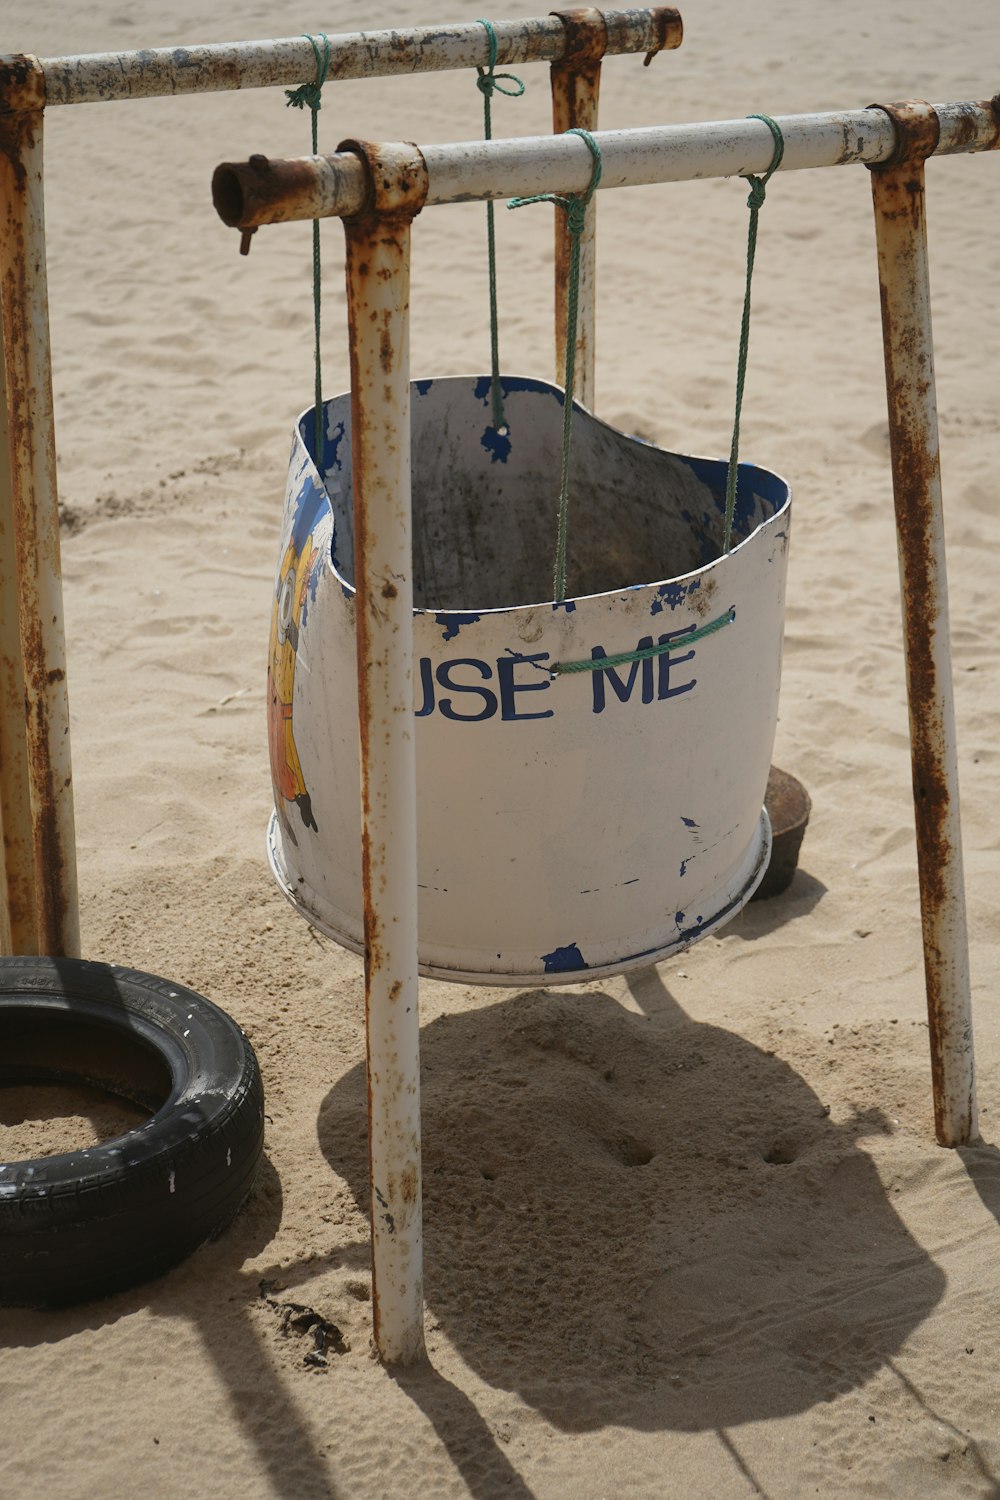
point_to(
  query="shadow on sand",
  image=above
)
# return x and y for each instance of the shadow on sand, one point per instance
(212, 1292)
(641, 1220)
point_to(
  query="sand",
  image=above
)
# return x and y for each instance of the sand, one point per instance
(688, 1232)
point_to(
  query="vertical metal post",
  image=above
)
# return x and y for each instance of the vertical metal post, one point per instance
(17, 879)
(24, 313)
(900, 226)
(576, 89)
(378, 271)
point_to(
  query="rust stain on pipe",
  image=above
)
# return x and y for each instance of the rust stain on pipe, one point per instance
(586, 36)
(166, 71)
(918, 131)
(899, 198)
(18, 929)
(967, 136)
(576, 88)
(35, 516)
(266, 191)
(395, 178)
(669, 31)
(22, 83)
(898, 189)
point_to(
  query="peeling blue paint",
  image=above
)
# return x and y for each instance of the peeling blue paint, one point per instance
(497, 445)
(453, 622)
(331, 449)
(312, 585)
(678, 917)
(689, 822)
(564, 960)
(423, 386)
(672, 594)
(569, 605)
(310, 502)
(693, 931)
(684, 868)
(512, 385)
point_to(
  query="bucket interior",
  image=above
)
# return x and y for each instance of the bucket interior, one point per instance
(485, 503)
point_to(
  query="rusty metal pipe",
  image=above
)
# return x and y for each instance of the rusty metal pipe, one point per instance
(149, 73)
(576, 87)
(24, 313)
(17, 878)
(576, 90)
(275, 190)
(378, 270)
(901, 237)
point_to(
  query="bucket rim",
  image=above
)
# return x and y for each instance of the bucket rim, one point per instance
(532, 382)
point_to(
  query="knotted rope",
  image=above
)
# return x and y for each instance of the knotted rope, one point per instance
(575, 206)
(309, 95)
(758, 186)
(489, 83)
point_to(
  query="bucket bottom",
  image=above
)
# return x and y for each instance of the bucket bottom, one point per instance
(565, 964)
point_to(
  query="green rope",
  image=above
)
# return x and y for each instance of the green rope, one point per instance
(575, 206)
(624, 658)
(754, 203)
(488, 83)
(310, 95)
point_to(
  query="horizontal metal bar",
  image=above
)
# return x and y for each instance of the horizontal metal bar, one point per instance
(271, 191)
(102, 76)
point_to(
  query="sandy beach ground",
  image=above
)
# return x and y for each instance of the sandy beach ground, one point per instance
(795, 1292)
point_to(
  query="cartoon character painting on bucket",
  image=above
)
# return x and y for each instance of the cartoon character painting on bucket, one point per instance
(287, 616)
(590, 773)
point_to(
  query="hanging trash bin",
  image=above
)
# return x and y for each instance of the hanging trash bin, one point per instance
(586, 801)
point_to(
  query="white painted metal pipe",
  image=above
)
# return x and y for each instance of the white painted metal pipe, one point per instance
(265, 191)
(378, 264)
(23, 291)
(103, 76)
(901, 235)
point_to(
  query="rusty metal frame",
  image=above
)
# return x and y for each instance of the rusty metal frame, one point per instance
(378, 277)
(576, 87)
(899, 198)
(17, 906)
(39, 861)
(258, 192)
(39, 909)
(390, 185)
(106, 77)
(273, 190)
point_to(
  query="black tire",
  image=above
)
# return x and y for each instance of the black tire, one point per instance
(87, 1223)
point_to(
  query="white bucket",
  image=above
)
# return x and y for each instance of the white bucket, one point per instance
(569, 826)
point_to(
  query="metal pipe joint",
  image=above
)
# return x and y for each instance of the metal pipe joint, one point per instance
(918, 132)
(395, 178)
(22, 83)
